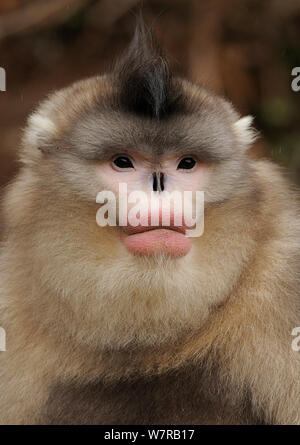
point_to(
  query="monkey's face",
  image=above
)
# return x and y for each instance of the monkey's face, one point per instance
(196, 150)
(102, 147)
(153, 160)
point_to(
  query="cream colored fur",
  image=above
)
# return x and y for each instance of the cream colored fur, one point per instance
(77, 306)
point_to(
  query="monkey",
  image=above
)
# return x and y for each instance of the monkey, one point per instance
(122, 325)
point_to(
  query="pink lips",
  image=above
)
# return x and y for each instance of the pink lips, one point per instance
(143, 240)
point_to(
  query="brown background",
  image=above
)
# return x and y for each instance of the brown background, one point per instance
(244, 50)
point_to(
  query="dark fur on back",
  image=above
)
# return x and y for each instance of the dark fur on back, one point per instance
(146, 86)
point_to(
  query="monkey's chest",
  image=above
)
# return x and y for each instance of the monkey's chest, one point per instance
(172, 399)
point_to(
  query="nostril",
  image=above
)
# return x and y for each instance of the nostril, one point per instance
(161, 181)
(158, 182)
(154, 185)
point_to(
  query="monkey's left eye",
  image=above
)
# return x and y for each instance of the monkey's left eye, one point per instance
(123, 162)
(186, 163)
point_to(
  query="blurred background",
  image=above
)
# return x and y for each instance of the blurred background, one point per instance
(244, 50)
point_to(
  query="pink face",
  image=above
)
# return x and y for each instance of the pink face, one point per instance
(140, 173)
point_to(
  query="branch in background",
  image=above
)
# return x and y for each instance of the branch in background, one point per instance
(36, 14)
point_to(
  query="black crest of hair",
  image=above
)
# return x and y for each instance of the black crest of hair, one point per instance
(145, 79)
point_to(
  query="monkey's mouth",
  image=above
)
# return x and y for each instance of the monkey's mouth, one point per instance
(149, 240)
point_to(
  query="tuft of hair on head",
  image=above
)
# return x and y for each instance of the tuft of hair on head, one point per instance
(144, 77)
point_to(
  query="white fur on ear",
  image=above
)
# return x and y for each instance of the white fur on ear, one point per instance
(39, 137)
(245, 133)
(40, 129)
(42, 123)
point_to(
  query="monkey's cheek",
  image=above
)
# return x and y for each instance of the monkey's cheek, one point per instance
(157, 241)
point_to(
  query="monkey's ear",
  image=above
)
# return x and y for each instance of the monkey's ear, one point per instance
(40, 133)
(244, 131)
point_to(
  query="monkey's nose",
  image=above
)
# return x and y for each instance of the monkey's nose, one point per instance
(158, 182)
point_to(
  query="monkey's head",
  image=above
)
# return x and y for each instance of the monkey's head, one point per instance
(154, 132)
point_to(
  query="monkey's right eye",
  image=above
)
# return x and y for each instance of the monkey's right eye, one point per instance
(123, 162)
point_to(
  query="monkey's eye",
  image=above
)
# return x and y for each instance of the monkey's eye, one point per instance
(123, 162)
(186, 163)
